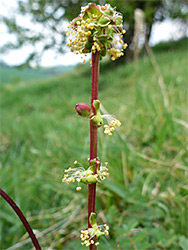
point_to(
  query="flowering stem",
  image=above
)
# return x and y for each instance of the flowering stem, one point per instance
(22, 218)
(93, 135)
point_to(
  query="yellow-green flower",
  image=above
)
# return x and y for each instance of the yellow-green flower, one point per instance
(94, 174)
(97, 119)
(89, 234)
(97, 28)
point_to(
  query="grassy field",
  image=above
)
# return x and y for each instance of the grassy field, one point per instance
(14, 75)
(145, 199)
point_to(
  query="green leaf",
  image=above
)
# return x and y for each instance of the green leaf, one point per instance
(132, 224)
(162, 134)
(183, 243)
(141, 240)
(113, 212)
(116, 189)
(153, 213)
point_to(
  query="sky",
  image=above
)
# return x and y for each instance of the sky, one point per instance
(164, 31)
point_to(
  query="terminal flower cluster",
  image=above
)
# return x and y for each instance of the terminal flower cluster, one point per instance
(88, 235)
(97, 28)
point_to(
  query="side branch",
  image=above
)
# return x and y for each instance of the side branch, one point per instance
(22, 218)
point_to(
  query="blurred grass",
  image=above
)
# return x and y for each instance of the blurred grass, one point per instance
(145, 199)
(22, 75)
(15, 75)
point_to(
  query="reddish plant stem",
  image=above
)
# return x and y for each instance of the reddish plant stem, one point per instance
(22, 218)
(93, 135)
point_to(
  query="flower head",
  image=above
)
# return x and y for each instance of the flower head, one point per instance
(97, 119)
(97, 28)
(88, 235)
(94, 174)
(112, 124)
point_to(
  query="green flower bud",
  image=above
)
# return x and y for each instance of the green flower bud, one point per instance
(92, 220)
(118, 21)
(91, 179)
(109, 11)
(97, 120)
(84, 180)
(96, 106)
(85, 175)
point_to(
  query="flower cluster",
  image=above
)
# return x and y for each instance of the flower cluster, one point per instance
(88, 235)
(112, 123)
(97, 28)
(94, 174)
(96, 118)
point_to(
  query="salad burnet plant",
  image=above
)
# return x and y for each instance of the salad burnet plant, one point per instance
(98, 30)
